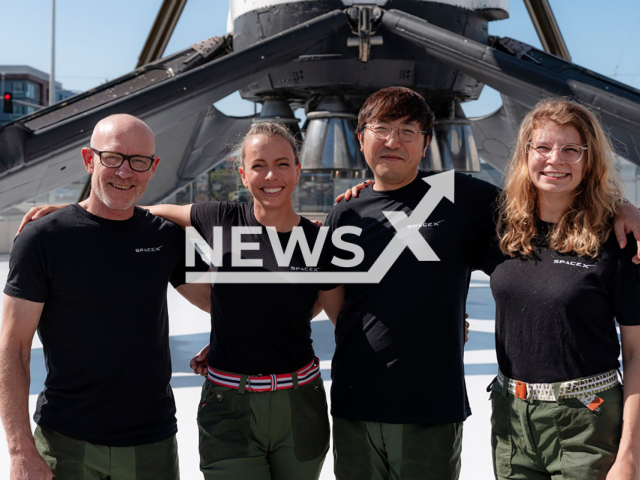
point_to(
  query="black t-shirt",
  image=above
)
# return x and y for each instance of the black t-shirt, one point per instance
(555, 311)
(399, 353)
(104, 327)
(257, 328)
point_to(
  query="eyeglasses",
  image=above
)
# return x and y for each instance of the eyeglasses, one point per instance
(383, 132)
(138, 163)
(570, 153)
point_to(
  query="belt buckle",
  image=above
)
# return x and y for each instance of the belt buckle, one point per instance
(521, 390)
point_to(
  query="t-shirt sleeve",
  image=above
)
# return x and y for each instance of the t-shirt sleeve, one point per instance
(325, 260)
(626, 293)
(329, 250)
(29, 277)
(490, 257)
(485, 198)
(206, 215)
(179, 274)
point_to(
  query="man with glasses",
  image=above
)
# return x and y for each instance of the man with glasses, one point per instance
(398, 396)
(92, 279)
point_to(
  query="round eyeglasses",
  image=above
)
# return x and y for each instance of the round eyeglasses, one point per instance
(138, 163)
(570, 153)
(383, 132)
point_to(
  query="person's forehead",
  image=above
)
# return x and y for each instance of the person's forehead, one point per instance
(551, 130)
(273, 146)
(127, 142)
(404, 121)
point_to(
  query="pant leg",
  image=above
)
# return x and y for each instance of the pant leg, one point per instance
(514, 451)
(417, 451)
(384, 451)
(358, 450)
(70, 458)
(232, 443)
(588, 441)
(299, 432)
(150, 461)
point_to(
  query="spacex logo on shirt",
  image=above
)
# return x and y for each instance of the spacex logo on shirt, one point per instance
(305, 269)
(574, 264)
(426, 224)
(149, 249)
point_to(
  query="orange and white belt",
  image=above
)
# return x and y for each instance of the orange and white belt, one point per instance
(581, 388)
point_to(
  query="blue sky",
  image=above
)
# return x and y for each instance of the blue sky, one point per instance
(101, 40)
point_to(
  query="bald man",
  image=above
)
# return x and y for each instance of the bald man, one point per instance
(92, 279)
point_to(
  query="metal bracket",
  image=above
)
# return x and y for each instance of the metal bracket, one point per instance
(211, 46)
(364, 21)
(515, 48)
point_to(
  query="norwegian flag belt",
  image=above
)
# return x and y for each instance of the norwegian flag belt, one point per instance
(580, 388)
(266, 383)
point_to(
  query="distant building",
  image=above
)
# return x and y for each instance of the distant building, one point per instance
(30, 85)
(27, 84)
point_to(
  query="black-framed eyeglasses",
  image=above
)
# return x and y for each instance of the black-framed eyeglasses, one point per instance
(138, 163)
(570, 152)
(383, 132)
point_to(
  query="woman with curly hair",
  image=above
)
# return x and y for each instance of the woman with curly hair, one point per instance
(560, 282)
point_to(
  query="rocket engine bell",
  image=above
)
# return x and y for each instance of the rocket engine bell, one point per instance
(330, 142)
(276, 109)
(333, 78)
(331, 157)
(456, 142)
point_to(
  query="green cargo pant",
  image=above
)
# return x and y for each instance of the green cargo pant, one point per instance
(74, 459)
(396, 451)
(280, 435)
(536, 440)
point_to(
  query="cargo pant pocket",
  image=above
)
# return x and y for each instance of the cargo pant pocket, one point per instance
(224, 422)
(310, 421)
(501, 442)
(589, 440)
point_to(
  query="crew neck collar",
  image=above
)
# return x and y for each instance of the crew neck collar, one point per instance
(255, 221)
(402, 190)
(115, 224)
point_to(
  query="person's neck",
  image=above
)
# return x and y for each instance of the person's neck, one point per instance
(282, 219)
(99, 209)
(381, 185)
(551, 209)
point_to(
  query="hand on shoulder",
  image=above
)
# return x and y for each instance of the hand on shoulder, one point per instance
(35, 213)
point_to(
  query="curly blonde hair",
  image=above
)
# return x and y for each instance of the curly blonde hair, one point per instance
(585, 226)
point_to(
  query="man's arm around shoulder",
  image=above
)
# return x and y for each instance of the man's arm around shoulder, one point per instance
(19, 322)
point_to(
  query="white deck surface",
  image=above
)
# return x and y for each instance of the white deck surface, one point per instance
(189, 332)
